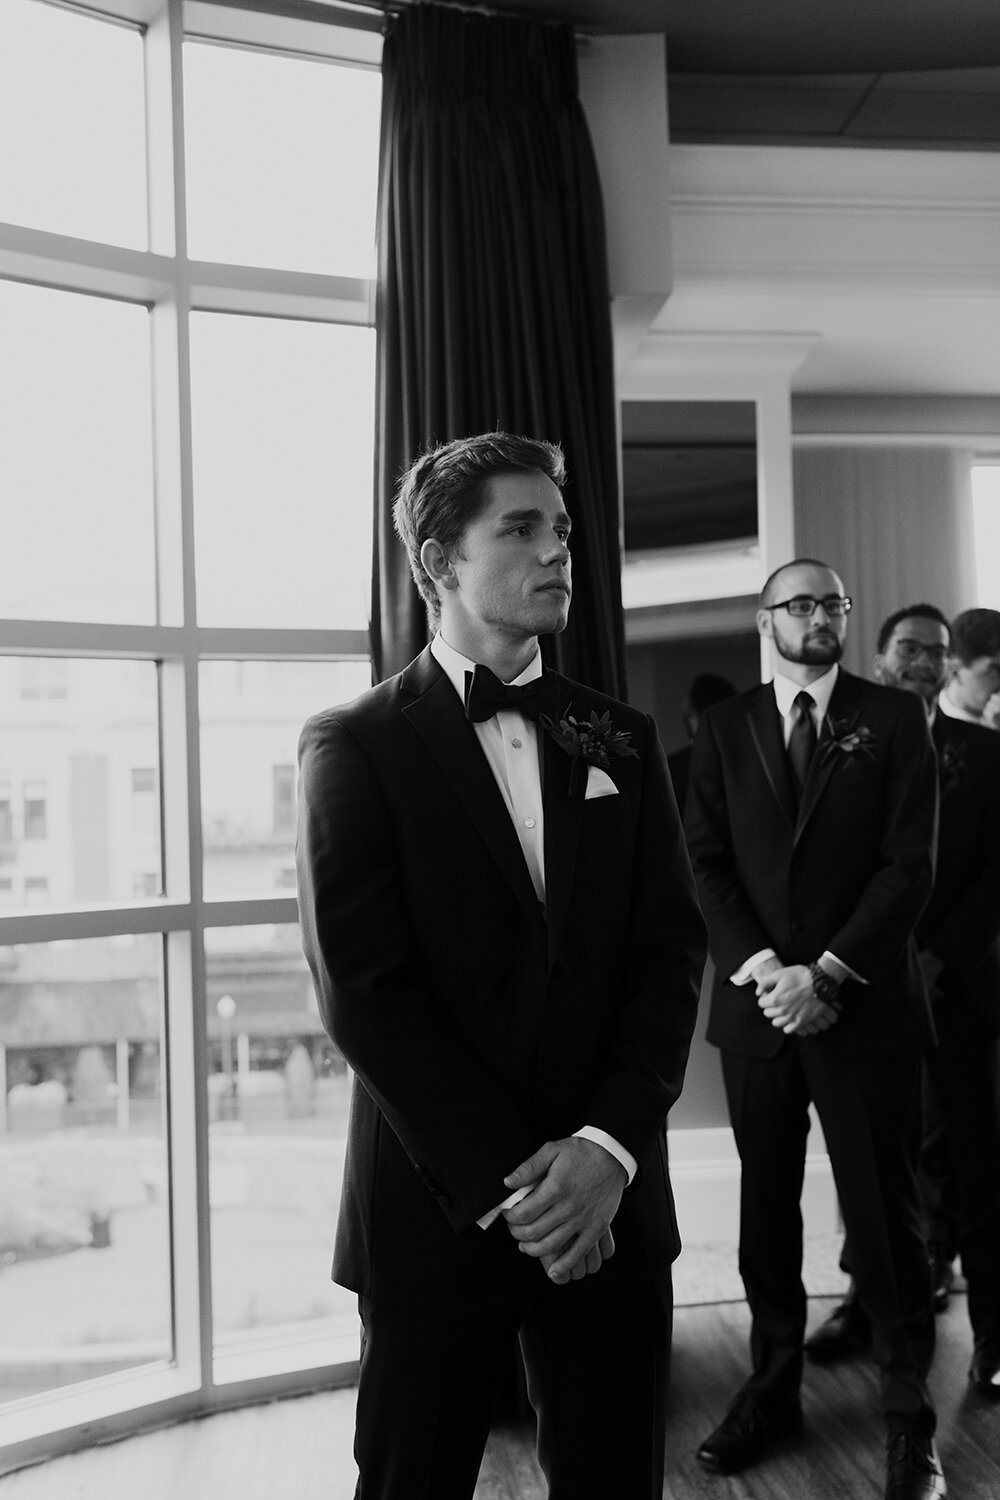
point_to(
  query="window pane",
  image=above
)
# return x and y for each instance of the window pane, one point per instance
(72, 827)
(282, 160)
(72, 120)
(84, 1240)
(251, 715)
(986, 524)
(278, 1100)
(76, 458)
(283, 471)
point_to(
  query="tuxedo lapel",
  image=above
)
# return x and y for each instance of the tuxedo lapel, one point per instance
(769, 742)
(436, 715)
(562, 829)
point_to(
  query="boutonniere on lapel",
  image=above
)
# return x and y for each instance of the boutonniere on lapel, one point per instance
(590, 742)
(951, 765)
(845, 737)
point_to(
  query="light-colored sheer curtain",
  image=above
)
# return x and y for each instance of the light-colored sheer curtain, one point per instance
(896, 524)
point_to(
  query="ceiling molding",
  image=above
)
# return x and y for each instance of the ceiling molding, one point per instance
(888, 222)
(716, 360)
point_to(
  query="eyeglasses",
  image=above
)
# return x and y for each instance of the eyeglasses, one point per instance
(910, 650)
(804, 605)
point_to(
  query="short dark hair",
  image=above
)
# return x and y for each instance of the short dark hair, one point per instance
(796, 562)
(975, 633)
(708, 688)
(444, 490)
(911, 612)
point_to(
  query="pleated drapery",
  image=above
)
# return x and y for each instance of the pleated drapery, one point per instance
(895, 522)
(493, 299)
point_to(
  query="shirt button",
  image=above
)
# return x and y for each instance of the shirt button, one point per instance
(529, 822)
(516, 744)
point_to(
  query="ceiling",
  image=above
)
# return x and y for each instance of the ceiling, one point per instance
(782, 36)
(859, 71)
(914, 74)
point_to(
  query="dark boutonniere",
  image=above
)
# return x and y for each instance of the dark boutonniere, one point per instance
(951, 765)
(590, 742)
(847, 738)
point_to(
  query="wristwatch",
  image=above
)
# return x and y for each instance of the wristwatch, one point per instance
(825, 987)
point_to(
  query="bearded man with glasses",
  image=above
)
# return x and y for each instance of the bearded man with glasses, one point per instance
(811, 820)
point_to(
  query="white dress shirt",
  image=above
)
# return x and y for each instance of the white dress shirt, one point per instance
(510, 743)
(785, 693)
(952, 711)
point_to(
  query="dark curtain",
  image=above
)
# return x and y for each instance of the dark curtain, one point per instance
(493, 299)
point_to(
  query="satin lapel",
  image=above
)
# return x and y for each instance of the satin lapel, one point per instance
(939, 733)
(563, 815)
(437, 717)
(766, 732)
(843, 708)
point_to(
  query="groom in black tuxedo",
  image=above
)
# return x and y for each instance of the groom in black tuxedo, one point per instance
(810, 819)
(500, 918)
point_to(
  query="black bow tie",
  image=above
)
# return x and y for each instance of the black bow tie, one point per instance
(485, 694)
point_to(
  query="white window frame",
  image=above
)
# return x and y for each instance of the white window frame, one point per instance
(172, 287)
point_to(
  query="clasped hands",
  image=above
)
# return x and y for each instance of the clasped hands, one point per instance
(786, 996)
(565, 1219)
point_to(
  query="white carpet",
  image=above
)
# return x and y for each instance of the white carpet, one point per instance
(709, 1273)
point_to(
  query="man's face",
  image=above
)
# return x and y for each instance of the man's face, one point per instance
(812, 640)
(512, 572)
(915, 657)
(970, 686)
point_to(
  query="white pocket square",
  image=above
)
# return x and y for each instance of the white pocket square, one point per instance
(599, 784)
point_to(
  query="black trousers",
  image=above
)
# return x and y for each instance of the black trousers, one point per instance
(870, 1112)
(962, 1078)
(937, 1182)
(596, 1353)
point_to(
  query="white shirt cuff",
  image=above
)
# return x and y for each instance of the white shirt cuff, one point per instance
(744, 973)
(494, 1213)
(846, 967)
(601, 1138)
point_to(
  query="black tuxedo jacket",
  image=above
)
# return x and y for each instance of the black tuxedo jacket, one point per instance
(478, 1025)
(850, 871)
(679, 764)
(961, 923)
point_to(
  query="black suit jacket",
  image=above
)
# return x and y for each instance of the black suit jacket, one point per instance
(961, 923)
(477, 1025)
(850, 871)
(679, 766)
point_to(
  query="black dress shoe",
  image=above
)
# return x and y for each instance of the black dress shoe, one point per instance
(984, 1372)
(915, 1471)
(845, 1334)
(748, 1431)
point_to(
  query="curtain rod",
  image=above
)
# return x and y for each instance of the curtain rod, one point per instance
(372, 15)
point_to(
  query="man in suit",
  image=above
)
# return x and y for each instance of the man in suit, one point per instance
(959, 940)
(972, 687)
(500, 919)
(811, 821)
(707, 688)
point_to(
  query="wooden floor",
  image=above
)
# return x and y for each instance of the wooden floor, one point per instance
(302, 1447)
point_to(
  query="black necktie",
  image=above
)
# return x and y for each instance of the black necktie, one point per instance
(485, 693)
(802, 740)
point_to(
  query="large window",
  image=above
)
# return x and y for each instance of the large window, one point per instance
(187, 208)
(986, 530)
